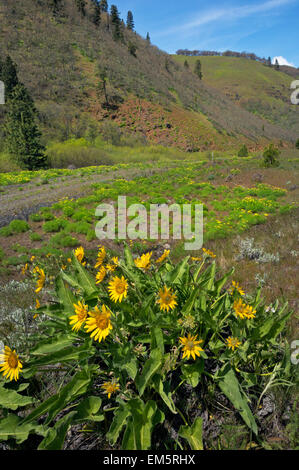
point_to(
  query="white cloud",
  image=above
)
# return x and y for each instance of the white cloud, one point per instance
(226, 14)
(282, 61)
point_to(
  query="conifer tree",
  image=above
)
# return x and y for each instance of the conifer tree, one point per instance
(96, 15)
(197, 69)
(81, 4)
(148, 38)
(186, 64)
(9, 76)
(130, 21)
(56, 6)
(22, 137)
(116, 23)
(276, 64)
(104, 6)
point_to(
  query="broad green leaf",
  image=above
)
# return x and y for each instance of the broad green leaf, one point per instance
(190, 302)
(128, 257)
(176, 275)
(55, 436)
(72, 353)
(157, 339)
(13, 400)
(221, 282)
(124, 359)
(206, 280)
(53, 405)
(230, 386)
(119, 421)
(139, 429)
(23, 387)
(151, 366)
(88, 410)
(65, 295)
(71, 280)
(192, 372)
(193, 434)
(11, 427)
(129, 442)
(50, 345)
(86, 281)
(210, 284)
(163, 388)
(279, 326)
(272, 326)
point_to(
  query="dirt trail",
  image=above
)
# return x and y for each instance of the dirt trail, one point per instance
(19, 201)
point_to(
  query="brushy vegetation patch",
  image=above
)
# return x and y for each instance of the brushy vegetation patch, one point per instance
(15, 226)
(145, 336)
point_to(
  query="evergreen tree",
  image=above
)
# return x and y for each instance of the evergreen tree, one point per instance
(9, 76)
(186, 64)
(96, 15)
(132, 48)
(116, 23)
(276, 64)
(1, 66)
(148, 38)
(104, 6)
(167, 65)
(271, 155)
(243, 152)
(22, 137)
(130, 21)
(269, 62)
(56, 6)
(197, 69)
(81, 4)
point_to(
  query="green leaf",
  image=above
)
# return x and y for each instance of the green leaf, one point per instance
(51, 345)
(86, 281)
(163, 388)
(191, 300)
(193, 434)
(230, 386)
(128, 257)
(55, 436)
(210, 284)
(157, 339)
(53, 405)
(139, 428)
(124, 359)
(88, 410)
(12, 400)
(221, 282)
(177, 274)
(119, 421)
(192, 372)
(279, 326)
(72, 353)
(11, 427)
(206, 281)
(150, 368)
(271, 328)
(71, 280)
(65, 295)
(129, 442)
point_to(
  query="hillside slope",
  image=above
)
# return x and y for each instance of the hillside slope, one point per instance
(255, 87)
(62, 58)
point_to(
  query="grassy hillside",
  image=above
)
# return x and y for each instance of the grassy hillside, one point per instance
(61, 60)
(261, 90)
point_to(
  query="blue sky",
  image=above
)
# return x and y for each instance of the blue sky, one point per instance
(266, 27)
